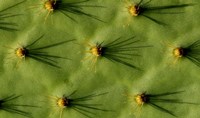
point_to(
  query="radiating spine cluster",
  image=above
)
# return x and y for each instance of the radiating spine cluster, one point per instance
(79, 104)
(120, 50)
(154, 100)
(145, 9)
(38, 53)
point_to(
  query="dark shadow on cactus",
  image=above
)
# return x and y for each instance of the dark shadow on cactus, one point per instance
(13, 108)
(191, 52)
(154, 99)
(144, 9)
(38, 54)
(80, 104)
(70, 8)
(5, 25)
(119, 50)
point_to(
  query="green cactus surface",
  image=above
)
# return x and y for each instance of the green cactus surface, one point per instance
(99, 58)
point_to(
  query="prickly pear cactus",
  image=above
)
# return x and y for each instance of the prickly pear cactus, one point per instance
(99, 58)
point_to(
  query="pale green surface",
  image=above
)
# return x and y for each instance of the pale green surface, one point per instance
(35, 81)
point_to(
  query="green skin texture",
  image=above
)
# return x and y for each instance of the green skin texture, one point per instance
(36, 81)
